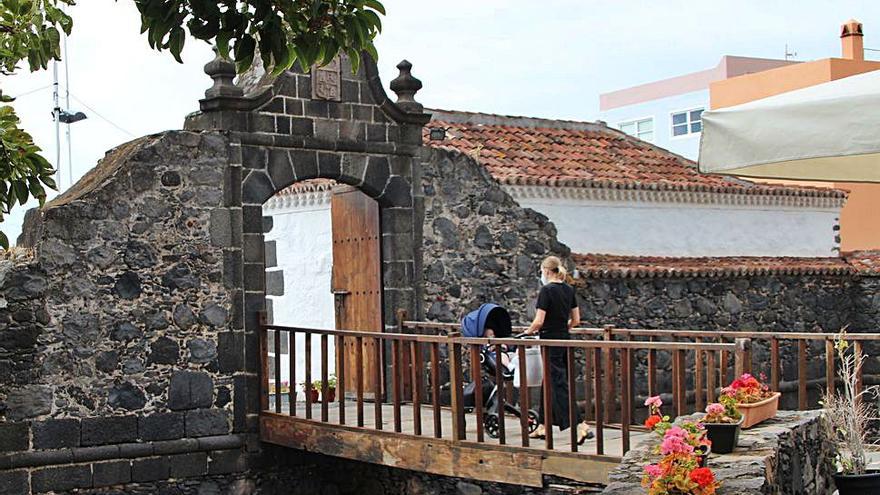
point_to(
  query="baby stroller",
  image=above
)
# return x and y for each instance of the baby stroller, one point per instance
(474, 324)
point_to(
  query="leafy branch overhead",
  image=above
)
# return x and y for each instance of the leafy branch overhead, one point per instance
(29, 31)
(283, 32)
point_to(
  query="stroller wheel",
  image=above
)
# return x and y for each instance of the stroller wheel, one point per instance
(490, 424)
(533, 420)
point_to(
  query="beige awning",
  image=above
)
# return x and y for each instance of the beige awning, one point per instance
(828, 132)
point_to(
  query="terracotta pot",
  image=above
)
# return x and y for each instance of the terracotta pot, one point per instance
(313, 395)
(331, 394)
(759, 411)
(857, 484)
(724, 436)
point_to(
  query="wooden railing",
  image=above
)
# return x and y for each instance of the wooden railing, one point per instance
(776, 343)
(415, 380)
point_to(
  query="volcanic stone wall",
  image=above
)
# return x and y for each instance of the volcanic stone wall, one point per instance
(787, 454)
(478, 244)
(777, 303)
(117, 359)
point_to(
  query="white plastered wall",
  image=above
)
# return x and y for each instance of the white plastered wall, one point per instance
(302, 231)
(650, 223)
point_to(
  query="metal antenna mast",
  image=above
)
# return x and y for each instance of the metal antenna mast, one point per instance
(56, 115)
(67, 108)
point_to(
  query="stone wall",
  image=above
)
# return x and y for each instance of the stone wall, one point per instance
(478, 244)
(788, 454)
(778, 303)
(115, 327)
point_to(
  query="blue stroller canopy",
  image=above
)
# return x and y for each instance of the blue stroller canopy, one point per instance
(488, 315)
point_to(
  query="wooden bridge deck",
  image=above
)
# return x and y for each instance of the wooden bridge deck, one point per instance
(488, 460)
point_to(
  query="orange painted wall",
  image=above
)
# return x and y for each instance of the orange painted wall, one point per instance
(860, 217)
(750, 87)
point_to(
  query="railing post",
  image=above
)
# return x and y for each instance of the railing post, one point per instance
(405, 362)
(857, 352)
(435, 389)
(699, 378)
(774, 364)
(264, 364)
(711, 376)
(456, 379)
(802, 374)
(477, 378)
(652, 370)
(598, 407)
(277, 351)
(829, 367)
(610, 374)
(679, 382)
(401, 317)
(741, 353)
(625, 398)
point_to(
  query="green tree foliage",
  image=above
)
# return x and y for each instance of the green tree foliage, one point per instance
(283, 32)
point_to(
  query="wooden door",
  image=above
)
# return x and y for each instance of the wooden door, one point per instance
(356, 280)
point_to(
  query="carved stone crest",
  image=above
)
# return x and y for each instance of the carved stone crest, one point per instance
(327, 81)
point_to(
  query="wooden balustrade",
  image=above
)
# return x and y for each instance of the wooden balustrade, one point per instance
(796, 346)
(603, 371)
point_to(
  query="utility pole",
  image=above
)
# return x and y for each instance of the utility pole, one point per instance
(56, 115)
(67, 109)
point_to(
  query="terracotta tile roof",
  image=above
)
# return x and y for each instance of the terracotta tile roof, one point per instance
(866, 262)
(311, 185)
(614, 266)
(525, 151)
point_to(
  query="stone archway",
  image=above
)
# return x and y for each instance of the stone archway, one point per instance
(330, 123)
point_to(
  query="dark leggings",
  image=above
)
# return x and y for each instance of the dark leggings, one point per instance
(558, 389)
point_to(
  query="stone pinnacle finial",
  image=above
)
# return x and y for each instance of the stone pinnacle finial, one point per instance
(406, 86)
(222, 71)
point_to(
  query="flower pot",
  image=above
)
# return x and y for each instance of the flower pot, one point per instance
(724, 436)
(759, 411)
(702, 452)
(312, 395)
(853, 484)
(331, 394)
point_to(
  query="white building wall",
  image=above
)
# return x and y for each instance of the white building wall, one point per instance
(661, 111)
(302, 231)
(650, 223)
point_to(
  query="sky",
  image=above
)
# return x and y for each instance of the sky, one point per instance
(516, 57)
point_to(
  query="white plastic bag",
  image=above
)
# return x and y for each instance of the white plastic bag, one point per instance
(534, 367)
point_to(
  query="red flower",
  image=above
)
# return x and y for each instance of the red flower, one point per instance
(702, 476)
(652, 421)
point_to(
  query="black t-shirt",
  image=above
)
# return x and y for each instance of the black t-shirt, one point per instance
(557, 299)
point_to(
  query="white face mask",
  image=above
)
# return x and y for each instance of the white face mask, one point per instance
(544, 280)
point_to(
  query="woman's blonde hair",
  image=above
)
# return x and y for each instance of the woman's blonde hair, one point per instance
(554, 264)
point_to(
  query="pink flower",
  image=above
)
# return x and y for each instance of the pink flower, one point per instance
(654, 401)
(653, 471)
(715, 409)
(675, 442)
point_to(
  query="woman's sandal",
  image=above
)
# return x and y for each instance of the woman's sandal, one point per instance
(538, 433)
(584, 433)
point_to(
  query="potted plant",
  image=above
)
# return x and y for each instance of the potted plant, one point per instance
(318, 386)
(753, 399)
(847, 418)
(679, 472)
(722, 422)
(311, 390)
(692, 433)
(331, 388)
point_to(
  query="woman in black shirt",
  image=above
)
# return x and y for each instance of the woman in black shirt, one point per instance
(557, 312)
